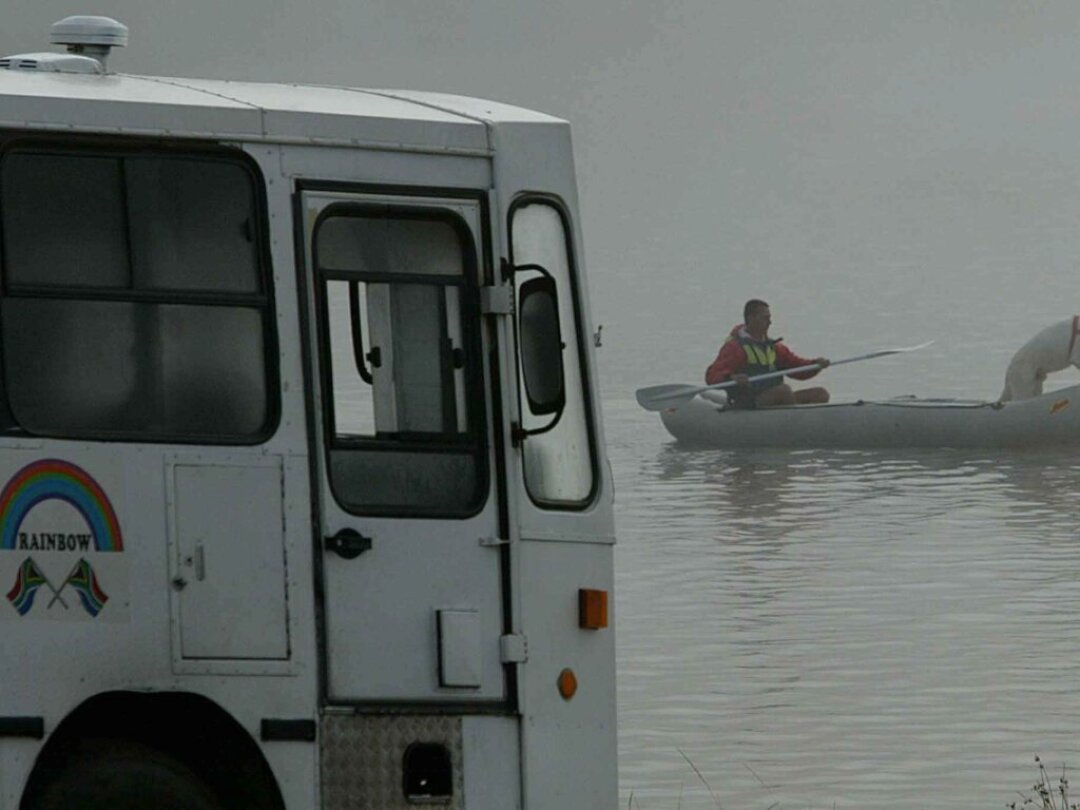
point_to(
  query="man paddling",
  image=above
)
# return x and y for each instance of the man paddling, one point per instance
(749, 351)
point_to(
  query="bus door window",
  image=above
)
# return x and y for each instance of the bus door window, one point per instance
(397, 296)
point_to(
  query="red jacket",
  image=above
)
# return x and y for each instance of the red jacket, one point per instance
(732, 359)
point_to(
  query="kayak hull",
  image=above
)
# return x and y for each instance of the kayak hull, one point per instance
(1050, 420)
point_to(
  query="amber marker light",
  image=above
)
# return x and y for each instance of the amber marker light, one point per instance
(592, 609)
(567, 684)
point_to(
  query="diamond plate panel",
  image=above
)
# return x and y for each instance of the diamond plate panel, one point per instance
(362, 759)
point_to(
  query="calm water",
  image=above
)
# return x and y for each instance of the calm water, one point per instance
(850, 629)
(853, 629)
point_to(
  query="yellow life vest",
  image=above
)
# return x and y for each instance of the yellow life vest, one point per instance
(760, 359)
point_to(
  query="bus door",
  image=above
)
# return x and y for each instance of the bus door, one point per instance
(411, 589)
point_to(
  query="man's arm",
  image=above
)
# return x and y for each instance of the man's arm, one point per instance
(786, 358)
(730, 360)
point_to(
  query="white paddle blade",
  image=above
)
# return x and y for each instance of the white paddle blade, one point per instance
(881, 353)
(659, 397)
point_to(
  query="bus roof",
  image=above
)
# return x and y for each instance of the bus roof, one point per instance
(251, 111)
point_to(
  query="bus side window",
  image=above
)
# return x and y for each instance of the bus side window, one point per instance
(134, 304)
(560, 465)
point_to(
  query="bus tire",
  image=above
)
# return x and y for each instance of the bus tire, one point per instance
(122, 775)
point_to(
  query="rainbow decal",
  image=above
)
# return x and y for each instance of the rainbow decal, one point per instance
(53, 478)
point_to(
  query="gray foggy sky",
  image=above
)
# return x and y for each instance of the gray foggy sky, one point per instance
(728, 136)
(668, 100)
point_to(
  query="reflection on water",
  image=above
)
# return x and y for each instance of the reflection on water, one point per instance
(848, 629)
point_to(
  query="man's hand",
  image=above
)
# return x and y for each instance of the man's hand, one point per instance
(822, 361)
(741, 380)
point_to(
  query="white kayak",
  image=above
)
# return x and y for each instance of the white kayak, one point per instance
(1050, 420)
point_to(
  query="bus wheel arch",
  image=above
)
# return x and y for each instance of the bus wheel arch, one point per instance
(184, 737)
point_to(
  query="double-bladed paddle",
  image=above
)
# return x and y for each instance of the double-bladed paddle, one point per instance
(659, 397)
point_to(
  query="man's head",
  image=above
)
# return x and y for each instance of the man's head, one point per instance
(757, 317)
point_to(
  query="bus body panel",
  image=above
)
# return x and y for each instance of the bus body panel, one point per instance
(482, 635)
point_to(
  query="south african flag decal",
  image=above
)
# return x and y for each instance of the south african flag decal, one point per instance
(27, 582)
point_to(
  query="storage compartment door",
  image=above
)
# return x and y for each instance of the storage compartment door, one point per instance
(230, 561)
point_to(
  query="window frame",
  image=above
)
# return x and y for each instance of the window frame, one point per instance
(475, 442)
(262, 302)
(559, 206)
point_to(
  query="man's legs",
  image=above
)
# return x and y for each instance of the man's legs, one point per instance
(783, 395)
(777, 395)
(812, 396)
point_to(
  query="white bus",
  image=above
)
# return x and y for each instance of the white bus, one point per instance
(303, 497)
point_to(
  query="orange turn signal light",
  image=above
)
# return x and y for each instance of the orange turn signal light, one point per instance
(567, 684)
(592, 609)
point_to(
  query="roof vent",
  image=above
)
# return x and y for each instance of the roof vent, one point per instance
(89, 36)
(51, 63)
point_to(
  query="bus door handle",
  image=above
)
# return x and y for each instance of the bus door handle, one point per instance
(347, 543)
